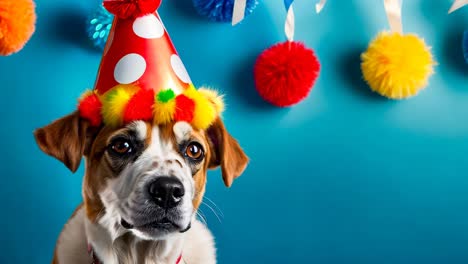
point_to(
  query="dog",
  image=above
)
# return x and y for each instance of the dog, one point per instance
(142, 187)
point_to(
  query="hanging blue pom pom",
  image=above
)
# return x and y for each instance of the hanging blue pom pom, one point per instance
(221, 10)
(465, 45)
(98, 27)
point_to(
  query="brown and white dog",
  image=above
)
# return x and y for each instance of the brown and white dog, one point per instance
(142, 187)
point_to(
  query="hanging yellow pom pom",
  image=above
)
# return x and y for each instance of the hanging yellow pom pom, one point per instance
(397, 66)
(114, 102)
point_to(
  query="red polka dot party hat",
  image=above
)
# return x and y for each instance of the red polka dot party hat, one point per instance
(141, 76)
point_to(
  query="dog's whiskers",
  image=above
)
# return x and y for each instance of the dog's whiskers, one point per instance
(101, 212)
(202, 217)
(212, 210)
(215, 205)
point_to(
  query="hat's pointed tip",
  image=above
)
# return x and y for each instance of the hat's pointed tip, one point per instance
(130, 8)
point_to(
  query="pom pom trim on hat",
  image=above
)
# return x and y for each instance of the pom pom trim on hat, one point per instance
(184, 108)
(131, 8)
(164, 107)
(127, 103)
(140, 106)
(90, 108)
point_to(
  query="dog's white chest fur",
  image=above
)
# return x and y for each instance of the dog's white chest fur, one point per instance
(196, 245)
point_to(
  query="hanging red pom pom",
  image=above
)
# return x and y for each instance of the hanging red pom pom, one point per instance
(131, 8)
(185, 108)
(140, 106)
(90, 109)
(285, 73)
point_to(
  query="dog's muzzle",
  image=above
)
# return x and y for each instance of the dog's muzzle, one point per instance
(163, 199)
(166, 192)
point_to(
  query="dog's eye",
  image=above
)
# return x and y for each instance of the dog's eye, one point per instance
(121, 146)
(194, 151)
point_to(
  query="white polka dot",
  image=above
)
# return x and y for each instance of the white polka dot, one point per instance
(148, 27)
(179, 69)
(130, 68)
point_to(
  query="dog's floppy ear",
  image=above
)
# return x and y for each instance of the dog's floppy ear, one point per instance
(226, 152)
(65, 139)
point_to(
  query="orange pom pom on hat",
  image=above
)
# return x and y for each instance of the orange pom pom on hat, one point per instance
(141, 76)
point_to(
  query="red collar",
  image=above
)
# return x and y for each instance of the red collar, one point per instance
(97, 261)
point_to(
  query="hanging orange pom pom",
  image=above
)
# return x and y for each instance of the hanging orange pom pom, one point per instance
(17, 24)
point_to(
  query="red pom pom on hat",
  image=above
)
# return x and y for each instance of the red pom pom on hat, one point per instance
(140, 106)
(90, 109)
(131, 8)
(185, 108)
(285, 73)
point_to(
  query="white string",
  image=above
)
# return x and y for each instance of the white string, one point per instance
(457, 5)
(239, 11)
(393, 10)
(289, 25)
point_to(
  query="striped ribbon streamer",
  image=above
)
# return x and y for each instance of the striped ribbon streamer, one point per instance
(239, 11)
(319, 6)
(457, 5)
(393, 10)
(289, 24)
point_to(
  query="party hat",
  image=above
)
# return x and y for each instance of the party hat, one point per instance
(141, 76)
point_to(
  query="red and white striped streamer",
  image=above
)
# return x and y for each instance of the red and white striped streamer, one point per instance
(289, 25)
(457, 4)
(320, 5)
(393, 10)
(238, 13)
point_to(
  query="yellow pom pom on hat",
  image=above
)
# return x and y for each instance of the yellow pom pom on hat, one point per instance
(214, 97)
(204, 111)
(114, 103)
(141, 76)
(397, 66)
(164, 108)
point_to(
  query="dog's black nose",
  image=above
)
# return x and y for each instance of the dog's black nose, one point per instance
(166, 192)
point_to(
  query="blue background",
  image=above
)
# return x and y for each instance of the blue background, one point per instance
(344, 177)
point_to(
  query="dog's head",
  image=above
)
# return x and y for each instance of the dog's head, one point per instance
(142, 177)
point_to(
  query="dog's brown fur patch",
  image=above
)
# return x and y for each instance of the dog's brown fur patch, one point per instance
(98, 171)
